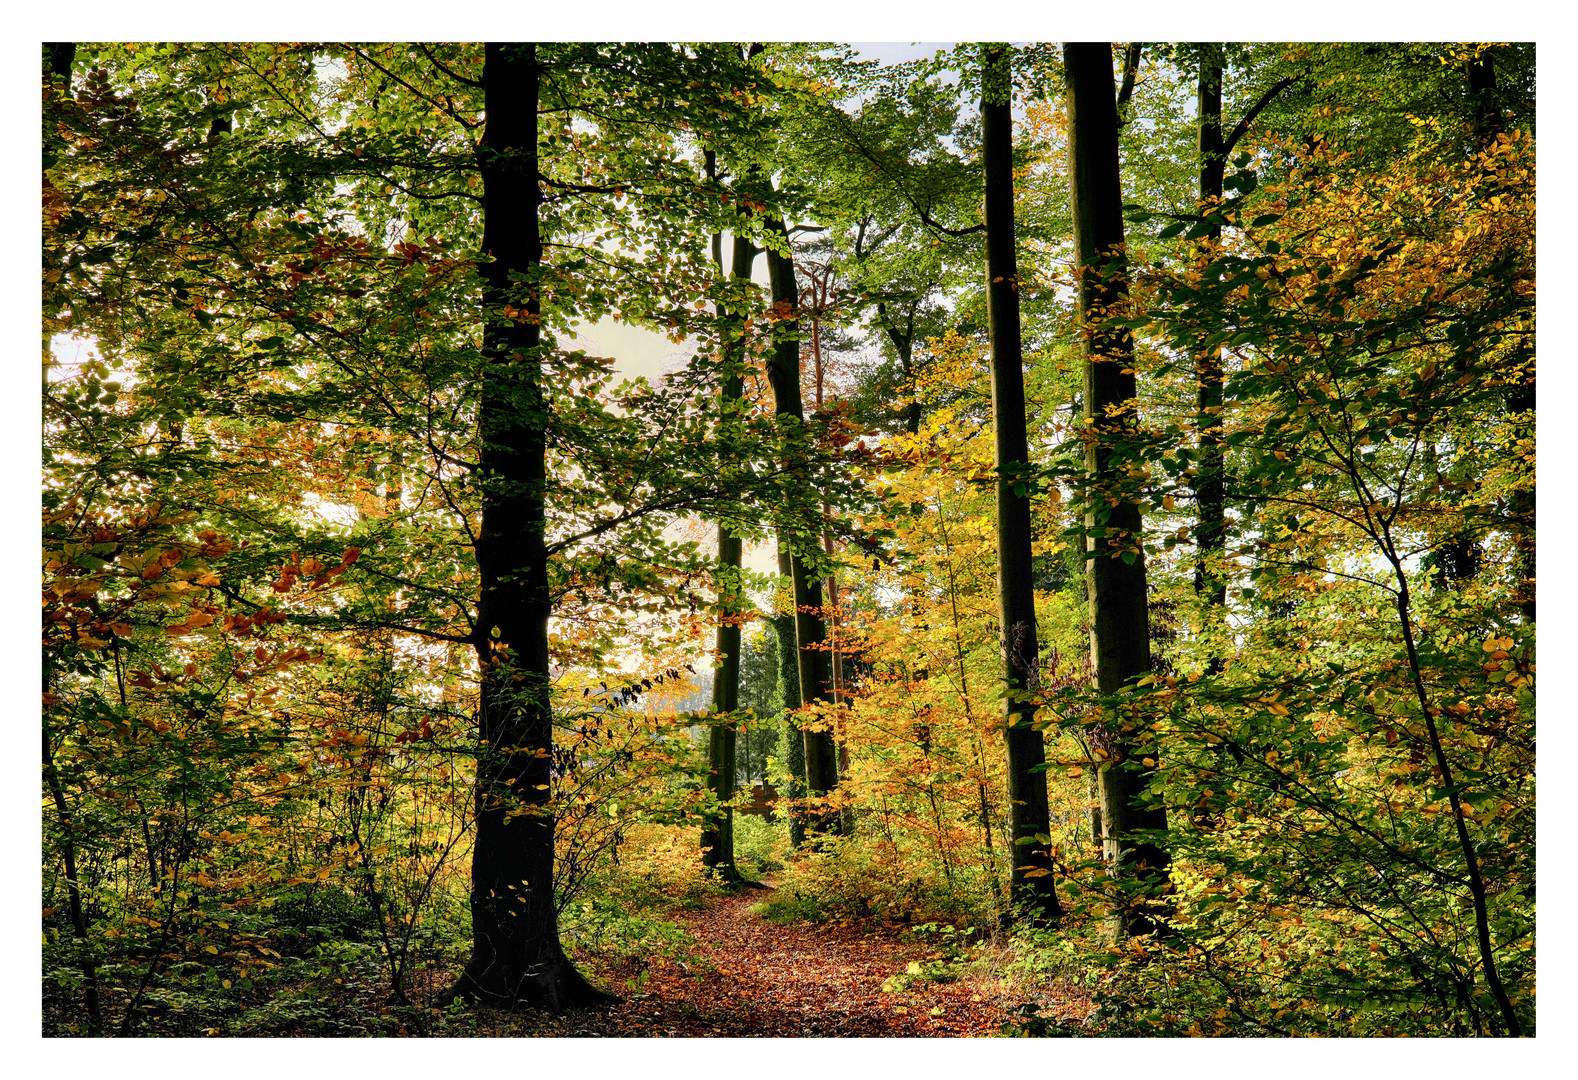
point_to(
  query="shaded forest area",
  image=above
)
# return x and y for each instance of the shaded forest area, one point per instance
(1070, 570)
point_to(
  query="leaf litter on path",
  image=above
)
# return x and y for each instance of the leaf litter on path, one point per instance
(747, 977)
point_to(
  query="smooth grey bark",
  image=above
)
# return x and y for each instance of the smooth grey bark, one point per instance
(1032, 883)
(1120, 636)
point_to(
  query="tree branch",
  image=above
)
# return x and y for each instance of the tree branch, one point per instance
(1131, 67)
(440, 66)
(1242, 127)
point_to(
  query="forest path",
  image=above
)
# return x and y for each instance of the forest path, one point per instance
(747, 977)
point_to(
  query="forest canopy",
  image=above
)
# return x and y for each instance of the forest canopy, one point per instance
(1062, 515)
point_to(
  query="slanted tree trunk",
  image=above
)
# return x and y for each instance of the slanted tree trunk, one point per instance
(1120, 638)
(516, 959)
(1032, 882)
(783, 373)
(717, 836)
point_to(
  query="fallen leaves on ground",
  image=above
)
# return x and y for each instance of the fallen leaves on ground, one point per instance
(747, 977)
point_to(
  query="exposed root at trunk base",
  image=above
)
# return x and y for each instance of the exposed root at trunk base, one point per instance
(551, 986)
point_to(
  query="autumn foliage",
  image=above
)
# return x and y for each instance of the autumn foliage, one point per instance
(267, 330)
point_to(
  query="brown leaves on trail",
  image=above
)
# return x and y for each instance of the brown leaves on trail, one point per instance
(749, 978)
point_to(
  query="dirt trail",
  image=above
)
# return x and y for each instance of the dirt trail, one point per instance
(747, 977)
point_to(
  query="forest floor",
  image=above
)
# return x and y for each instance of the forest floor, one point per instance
(748, 977)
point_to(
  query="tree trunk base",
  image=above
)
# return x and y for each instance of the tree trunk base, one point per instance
(551, 985)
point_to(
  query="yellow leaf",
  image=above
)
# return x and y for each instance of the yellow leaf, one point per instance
(211, 950)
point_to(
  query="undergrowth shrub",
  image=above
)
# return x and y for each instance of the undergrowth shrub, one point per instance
(954, 953)
(851, 879)
(760, 846)
(659, 869)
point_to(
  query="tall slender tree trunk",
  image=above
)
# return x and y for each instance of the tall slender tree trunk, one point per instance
(58, 58)
(1032, 881)
(516, 958)
(983, 804)
(904, 345)
(1210, 583)
(1471, 860)
(1520, 402)
(717, 836)
(68, 850)
(821, 297)
(783, 373)
(789, 690)
(1120, 637)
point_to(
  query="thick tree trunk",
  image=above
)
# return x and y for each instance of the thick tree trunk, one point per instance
(1210, 583)
(1032, 881)
(783, 373)
(717, 837)
(1120, 636)
(516, 959)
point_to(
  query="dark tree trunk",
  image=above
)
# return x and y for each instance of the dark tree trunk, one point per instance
(58, 57)
(1210, 582)
(1520, 402)
(717, 836)
(904, 345)
(516, 959)
(816, 684)
(1120, 637)
(1032, 881)
(789, 689)
(68, 852)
